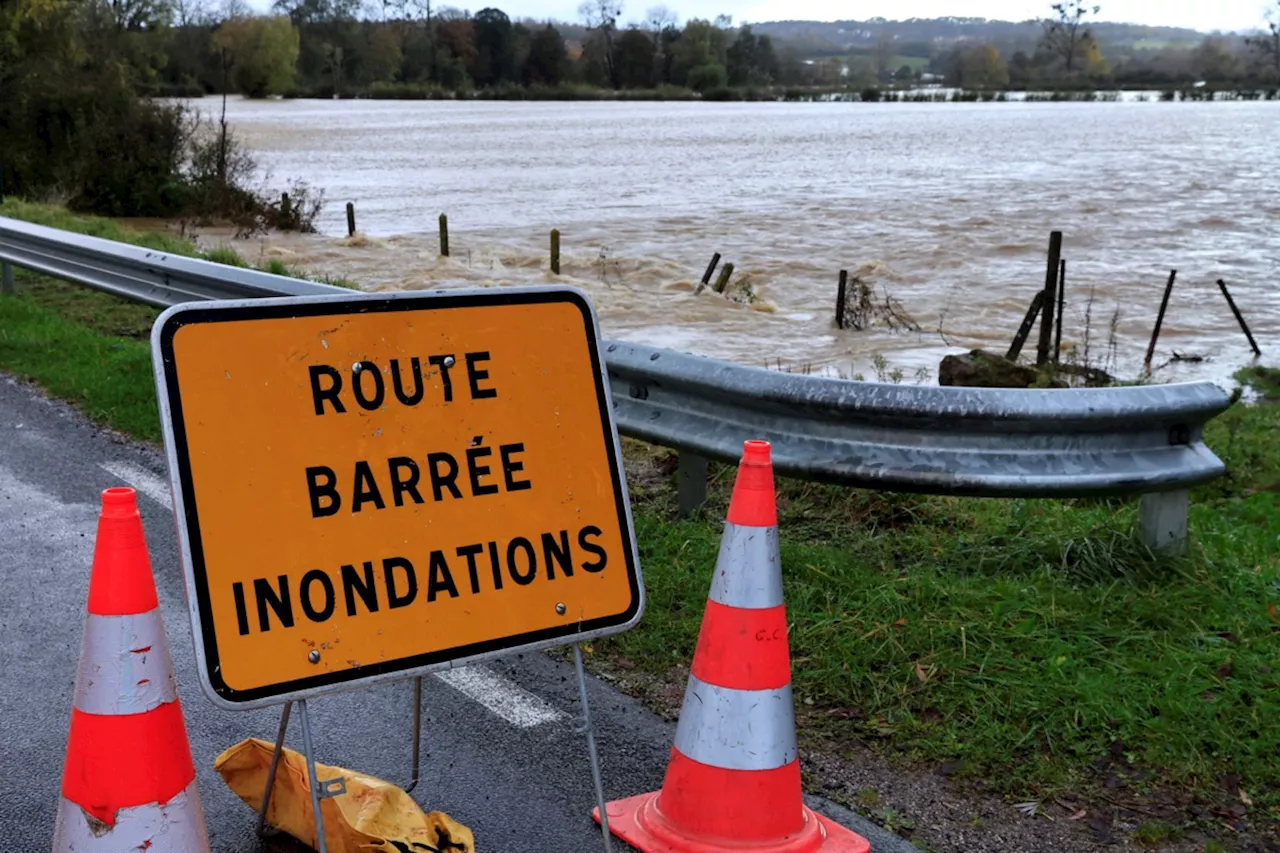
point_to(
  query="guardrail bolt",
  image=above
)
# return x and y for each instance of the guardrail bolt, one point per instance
(1179, 435)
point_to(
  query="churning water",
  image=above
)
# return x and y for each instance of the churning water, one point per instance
(946, 208)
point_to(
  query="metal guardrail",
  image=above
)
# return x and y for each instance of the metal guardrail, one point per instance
(937, 440)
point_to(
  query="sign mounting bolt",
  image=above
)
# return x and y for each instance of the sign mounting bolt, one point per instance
(560, 608)
(448, 361)
(314, 656)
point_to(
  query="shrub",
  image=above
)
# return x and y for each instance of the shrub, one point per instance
(706, 77)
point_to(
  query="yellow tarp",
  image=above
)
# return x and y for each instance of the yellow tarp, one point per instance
(371, 815)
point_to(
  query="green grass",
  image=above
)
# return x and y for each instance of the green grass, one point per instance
(1033, 643)
(1265, 381)
(108, 377)
(1027, 640)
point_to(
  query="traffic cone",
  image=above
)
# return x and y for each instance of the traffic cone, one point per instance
(733, 779)
(128, 783)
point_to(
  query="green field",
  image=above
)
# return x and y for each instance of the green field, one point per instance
(1032, 643)
(917, 63)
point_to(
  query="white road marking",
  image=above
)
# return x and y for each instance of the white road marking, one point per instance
(509, 701)
(503, 697)
(144, 481)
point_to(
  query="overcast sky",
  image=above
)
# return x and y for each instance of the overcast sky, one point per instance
(1224, 15)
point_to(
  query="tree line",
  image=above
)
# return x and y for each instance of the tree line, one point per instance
(74, 128)
(337, 48)
(327, 48)
(79, 124)
(1068, 54)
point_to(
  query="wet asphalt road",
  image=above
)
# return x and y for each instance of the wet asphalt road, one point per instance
(500, 750)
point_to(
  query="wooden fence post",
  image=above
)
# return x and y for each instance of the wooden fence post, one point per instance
(1155, 333)
(711, 268)
(1024, 331)
(841, 294)
(723, 281)
(1239, 317)
(1050, 300)
(1062, 288)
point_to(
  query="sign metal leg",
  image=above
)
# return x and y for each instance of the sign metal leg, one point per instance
(321, 845)
(591, 747)
(417, 732)
(271, 771)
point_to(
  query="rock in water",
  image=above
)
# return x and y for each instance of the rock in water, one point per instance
(982, 369)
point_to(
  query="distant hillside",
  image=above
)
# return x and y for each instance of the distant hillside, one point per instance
(926, 36)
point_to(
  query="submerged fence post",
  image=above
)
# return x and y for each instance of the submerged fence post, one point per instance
(691, 481)
(555, 250)
(1239, 317)
(1163, 522)
(711, 268)
(351, 219)
(286, 207)
(1024, 331)
(841, 293)
(1155, 333)
(1050, 298)
(444, 235)
(723, 281)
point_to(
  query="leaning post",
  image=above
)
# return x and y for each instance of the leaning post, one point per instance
(1050, 298)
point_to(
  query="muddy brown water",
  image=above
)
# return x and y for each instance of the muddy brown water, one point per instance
(946, 208)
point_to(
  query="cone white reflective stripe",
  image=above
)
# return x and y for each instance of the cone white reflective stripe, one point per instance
(758, 587)
(173, 827)
(737, 729)
(127, 669)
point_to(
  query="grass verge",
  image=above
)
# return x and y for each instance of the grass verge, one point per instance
(1031, 643)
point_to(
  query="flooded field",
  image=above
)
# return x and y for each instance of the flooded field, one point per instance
(946, 208)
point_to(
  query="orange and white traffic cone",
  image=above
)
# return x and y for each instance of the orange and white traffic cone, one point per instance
(733, 779)
(128, 783)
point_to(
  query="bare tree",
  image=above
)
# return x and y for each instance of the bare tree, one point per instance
(1066, 35)
(1268, 44)
(187, 13)
(660, 19)
(884, 51)
(139, 15)
(602, 16)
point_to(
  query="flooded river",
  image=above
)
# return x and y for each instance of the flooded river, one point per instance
(945, 208)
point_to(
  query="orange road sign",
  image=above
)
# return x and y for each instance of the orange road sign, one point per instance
(371, 487)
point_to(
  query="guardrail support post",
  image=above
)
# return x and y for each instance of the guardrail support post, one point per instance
(6, 278)
(1163, 522)
(691, 481)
